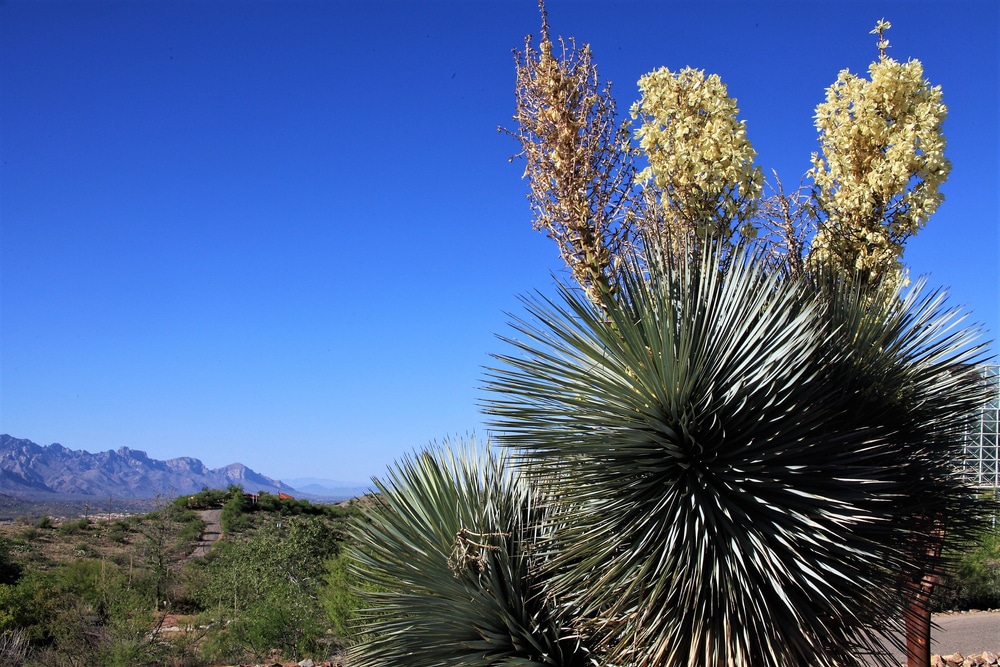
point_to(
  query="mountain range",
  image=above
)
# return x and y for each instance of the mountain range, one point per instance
(29, 469)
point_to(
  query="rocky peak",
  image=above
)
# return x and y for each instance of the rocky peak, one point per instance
(123, 473)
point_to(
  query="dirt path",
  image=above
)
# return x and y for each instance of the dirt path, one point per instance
(211, 534)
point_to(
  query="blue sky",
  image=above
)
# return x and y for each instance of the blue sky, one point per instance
(287, 233)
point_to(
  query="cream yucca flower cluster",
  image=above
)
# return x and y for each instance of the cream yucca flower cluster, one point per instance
(700, 160)
(878, 178)
(875, 181)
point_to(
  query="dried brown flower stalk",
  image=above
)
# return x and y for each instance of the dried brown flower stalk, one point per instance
(578, 158)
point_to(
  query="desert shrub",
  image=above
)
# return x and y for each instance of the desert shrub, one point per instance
(973, 582)
(74, 635)
(190, 531)
(10, 569)
(340, 599)
(126, 619)
(260, 591)
(84, 579)
(282, 619)
(86, 612)
(73, 527)
(117, 635)
(160, 546)
(122, 559)
(29, 534)
(28, 607)
(233, 517)
(85, 550)
(118, 531)
(204, 499)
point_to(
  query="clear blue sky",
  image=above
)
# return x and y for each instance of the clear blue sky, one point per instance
(286, 233)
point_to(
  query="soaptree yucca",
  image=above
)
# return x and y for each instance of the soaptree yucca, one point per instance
(743, 463)
(446, 549)
(713, 456)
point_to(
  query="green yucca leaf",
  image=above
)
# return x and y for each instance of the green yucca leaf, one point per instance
(741, 463)
(449, 545)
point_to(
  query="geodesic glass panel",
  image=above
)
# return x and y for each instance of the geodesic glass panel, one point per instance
(982, 451)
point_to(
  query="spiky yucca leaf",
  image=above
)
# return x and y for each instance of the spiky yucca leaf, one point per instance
(449, 546)
(912, 367)
(734, 496)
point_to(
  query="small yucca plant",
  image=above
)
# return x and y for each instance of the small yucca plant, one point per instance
(743, 464)
(447, 550)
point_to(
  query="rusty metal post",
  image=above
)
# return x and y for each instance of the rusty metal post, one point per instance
(918, 587)
(917, 621)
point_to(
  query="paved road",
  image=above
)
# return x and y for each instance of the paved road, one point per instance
(965, 633)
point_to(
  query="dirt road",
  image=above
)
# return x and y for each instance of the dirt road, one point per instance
(211, 534)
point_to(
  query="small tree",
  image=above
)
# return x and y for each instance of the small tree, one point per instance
(158, 546)
(261, 589)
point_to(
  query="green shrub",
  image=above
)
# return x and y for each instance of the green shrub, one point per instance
(72, 527)
(84, 579)
(260, 591)
(205, 499)
(126, 620)
(10, 570)
(85, 550)
(233, 517)
(974, 580)
(340, 599)
(118, 532)
(191, 528)
(28, 606)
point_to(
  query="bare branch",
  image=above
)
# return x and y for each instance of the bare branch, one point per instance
(787, 223)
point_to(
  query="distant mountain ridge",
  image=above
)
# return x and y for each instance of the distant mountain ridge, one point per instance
(330, 488)
(28, 468)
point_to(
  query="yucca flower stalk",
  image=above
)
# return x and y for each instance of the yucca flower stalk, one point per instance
(739, 457)
(447, 550)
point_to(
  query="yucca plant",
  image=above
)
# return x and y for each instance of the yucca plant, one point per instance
(741, 461)
(447, 549)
